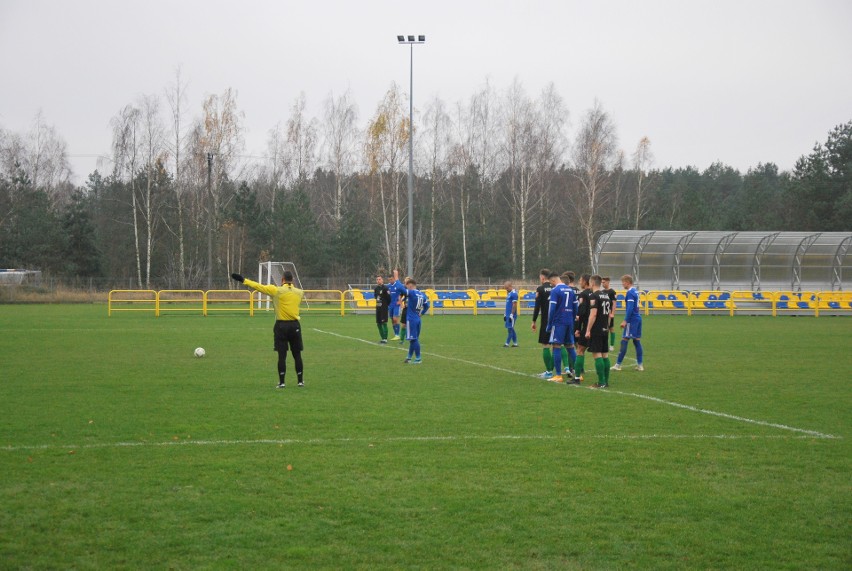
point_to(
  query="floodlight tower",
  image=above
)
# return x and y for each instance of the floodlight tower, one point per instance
(411, 41)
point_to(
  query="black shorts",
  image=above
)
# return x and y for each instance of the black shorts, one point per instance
(543, 335)
(580, 338)
(403, 315)
(288, 334)
(599, 341)
(382, 314)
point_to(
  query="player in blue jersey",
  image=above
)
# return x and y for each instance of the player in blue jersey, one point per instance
(397, 291)
(510, 315)
(632, 324)
(570, 354)
(560, 322)
(417, 304)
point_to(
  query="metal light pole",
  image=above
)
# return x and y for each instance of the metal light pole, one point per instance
(411, 41)
(209, 222)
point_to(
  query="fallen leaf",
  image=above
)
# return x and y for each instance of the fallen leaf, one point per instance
(290, 467)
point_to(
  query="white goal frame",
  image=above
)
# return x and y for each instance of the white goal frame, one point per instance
(272, 273)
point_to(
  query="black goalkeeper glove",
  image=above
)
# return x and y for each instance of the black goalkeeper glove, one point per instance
(237, 277)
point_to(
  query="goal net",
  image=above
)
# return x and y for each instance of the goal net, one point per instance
(273, 273)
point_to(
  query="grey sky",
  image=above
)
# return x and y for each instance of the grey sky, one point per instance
(741, 82)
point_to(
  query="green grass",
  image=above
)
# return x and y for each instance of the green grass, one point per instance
(119, 449)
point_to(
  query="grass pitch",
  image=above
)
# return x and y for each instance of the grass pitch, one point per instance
(119, 449)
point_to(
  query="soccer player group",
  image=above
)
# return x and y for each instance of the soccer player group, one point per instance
(574, 321)
(403, 304)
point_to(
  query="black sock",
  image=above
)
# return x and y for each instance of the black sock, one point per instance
(297, 357)
(282, 366)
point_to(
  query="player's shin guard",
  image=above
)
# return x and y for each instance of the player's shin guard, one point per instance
(547, 357)
(396, 329)
(580, 365)
(639, 351)
(557, 361)
(607, 366)
(599, 369)
(622, 351)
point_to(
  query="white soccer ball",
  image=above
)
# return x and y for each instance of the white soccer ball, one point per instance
(200, 352)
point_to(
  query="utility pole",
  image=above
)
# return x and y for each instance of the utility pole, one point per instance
(209, 221)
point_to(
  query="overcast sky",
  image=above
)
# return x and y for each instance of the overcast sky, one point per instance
(736, 81)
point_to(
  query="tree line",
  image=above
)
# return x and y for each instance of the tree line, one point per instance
(500, 190)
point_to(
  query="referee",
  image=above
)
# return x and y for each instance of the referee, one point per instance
(288, 333)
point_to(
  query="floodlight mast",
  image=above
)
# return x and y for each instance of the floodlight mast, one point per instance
(411, 41)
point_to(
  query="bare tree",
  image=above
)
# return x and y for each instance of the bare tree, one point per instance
(340, 135)
(593, 155)
(46, 159)
(387, 137)
(552, 146)
(176, 96)
(125, 149)
(222, 137)
(643, 158)
(439, 141)
(301, 142)
(520, 149)
(152, 148)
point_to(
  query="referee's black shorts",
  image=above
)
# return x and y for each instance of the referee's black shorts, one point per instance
(288, 334)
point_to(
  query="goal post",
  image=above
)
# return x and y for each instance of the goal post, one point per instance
(273, 273)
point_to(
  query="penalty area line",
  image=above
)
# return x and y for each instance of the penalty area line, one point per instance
(810, 433)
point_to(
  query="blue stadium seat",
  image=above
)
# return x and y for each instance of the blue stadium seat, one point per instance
(369, 295)
(438, 304)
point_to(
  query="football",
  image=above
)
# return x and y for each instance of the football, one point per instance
(200, 352)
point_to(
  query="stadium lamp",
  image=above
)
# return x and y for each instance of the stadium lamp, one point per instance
(411, 41)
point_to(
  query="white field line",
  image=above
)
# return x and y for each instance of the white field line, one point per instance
(394, 439)
(811, 433)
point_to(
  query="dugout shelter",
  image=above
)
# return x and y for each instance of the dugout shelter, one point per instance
(719, 260)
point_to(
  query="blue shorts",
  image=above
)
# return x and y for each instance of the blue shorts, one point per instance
(509, 321)
(393, 310)
(412, 330)
(633, 329)
(562, 335)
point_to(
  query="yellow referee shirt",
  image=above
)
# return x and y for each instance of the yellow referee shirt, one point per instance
(285, 298)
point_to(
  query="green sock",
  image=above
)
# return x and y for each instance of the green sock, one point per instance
(580, 365)
(383, 330)
(612, 338)
(607, 365)
(547, 357)
(599, 369)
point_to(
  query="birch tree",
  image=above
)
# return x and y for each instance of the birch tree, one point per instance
(46, 160)
(643, 158)
(387, 138)
(152, 153)
(439, 141)
(519, 149)
(125, 150)
(593, 154)
(340, 135)
(176, 96)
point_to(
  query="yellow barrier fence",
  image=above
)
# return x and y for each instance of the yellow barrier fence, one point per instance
(448, 302)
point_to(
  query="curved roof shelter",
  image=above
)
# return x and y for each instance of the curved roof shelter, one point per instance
(714, 260)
